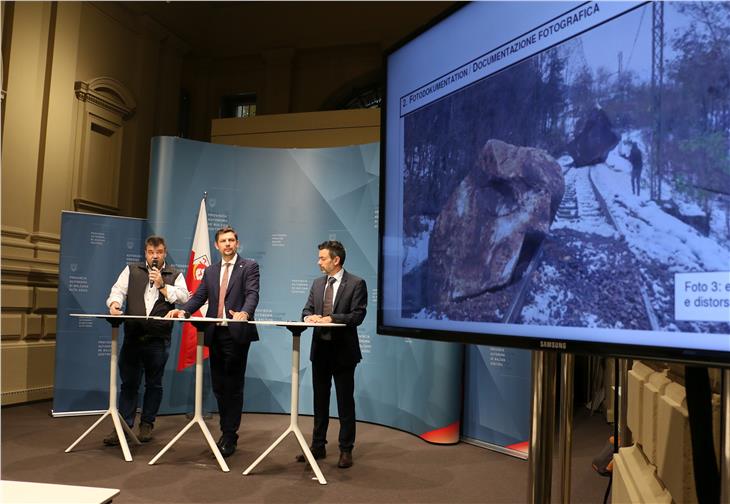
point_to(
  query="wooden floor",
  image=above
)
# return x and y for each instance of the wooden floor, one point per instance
(390, 465)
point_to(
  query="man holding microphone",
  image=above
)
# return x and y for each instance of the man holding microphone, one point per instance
(149, 288)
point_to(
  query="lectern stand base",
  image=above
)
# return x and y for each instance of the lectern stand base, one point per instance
(198, 415)
(119, 426)
(208, 437)
(293, 429)
(296, 329)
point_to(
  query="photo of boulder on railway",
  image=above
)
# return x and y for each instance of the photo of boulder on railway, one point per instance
(570, 188)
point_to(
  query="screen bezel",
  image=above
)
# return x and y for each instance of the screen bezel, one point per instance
(621, 350)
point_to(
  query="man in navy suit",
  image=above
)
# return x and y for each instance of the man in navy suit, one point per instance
(342, 298)
(231, 289)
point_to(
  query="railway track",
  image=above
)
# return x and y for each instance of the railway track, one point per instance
(582, 209)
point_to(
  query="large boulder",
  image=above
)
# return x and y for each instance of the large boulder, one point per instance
(512, 193)
(595, 139)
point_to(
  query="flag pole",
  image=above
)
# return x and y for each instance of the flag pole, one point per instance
(199, 260)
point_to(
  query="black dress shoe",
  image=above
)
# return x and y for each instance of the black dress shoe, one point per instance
(345, 460)
(227, 447)
(317, 453)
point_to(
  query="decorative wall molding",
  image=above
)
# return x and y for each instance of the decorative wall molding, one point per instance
(107, 93)
(103, 106)
(14, 232)
(39, 241)
(27, 395)
(82, 205)
(37, 274)
(47, 238)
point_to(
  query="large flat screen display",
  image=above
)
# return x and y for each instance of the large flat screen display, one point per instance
(557, 175)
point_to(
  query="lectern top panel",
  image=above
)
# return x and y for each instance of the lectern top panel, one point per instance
(296, 324)
(202, 319)
(280, 323)
(109, 316)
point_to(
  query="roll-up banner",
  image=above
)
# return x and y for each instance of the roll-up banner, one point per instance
(94, 250)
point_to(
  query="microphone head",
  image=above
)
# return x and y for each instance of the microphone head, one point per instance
(152, 267)
(187, 315)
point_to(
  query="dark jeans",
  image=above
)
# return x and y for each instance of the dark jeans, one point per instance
(135, 358)
(324, 370)
(228, 372)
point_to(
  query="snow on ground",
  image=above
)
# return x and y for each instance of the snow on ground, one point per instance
(578, 272)
(651, 233)
(592, 320)
(719, 222)
(689, 208)
(551, 304)
(425, 313)
(659, 245)
(548, 308)
(415, 250)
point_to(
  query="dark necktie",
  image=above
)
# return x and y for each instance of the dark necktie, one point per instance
(222, 293)
(329, 295)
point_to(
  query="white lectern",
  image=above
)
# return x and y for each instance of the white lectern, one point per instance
(198, 415)
(296, 329)
(119, 425)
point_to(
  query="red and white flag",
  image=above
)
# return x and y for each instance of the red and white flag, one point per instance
(199, 260)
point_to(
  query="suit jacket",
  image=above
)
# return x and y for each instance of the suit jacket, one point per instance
(242, 295)
(350, 307)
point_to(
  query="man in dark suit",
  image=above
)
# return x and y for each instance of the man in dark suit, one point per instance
(342, 298)
(231, 289)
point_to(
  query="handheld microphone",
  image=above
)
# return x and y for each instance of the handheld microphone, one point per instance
(154, 266)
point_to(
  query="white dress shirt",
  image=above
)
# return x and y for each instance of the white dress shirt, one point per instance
(177, 293)
(335, 286)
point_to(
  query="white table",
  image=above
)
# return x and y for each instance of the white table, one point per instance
(120, 426)
(296, 329)
(198, 415)
(21, 492)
